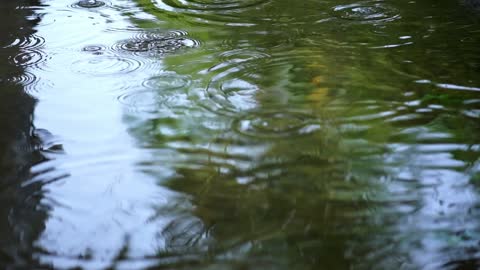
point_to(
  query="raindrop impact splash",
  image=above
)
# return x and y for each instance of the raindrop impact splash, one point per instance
(366, 12)
(90, 3)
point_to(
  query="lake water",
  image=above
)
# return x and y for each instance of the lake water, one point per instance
(229, 134)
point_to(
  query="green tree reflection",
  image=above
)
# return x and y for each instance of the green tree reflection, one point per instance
(318, 140)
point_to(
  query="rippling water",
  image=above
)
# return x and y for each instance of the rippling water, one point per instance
(256, 134)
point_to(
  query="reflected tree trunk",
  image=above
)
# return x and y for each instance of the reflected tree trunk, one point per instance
(21, 218)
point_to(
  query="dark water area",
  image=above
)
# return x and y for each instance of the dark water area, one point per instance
(255, 134)
(21, 215)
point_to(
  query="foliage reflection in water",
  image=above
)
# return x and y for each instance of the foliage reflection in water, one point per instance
(258, 134)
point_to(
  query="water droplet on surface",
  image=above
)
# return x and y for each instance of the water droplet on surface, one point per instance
(167, 81)
(152, 44)
(95, 49)
(274, 124)
(153, 102)
(28, 58)
(366, 12)
(106, 65)
(90, 3)
(27, 42)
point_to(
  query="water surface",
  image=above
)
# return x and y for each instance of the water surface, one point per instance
(257, 134)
